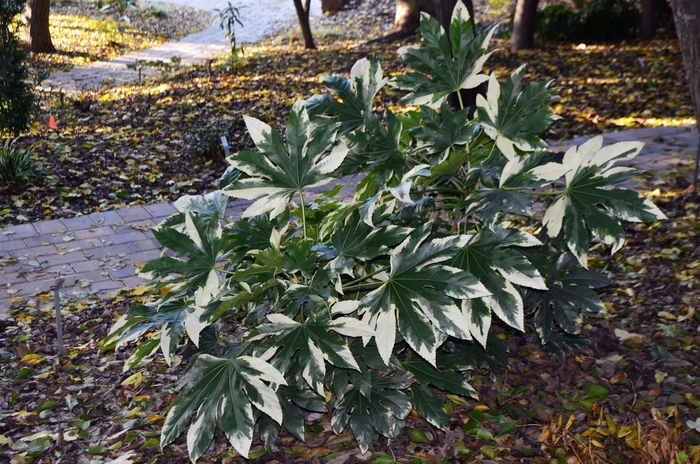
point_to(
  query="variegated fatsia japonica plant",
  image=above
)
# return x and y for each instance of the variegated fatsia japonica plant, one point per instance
(362, 306)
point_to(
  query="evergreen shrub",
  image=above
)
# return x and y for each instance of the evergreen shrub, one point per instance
(364, 307)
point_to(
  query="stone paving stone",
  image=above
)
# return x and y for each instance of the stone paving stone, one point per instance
(161, 210)
(94, 233)
(85, 244)
(14, 245)
(133, 282)
(79, 223)
(25, 289)
(107, 218)
(50, 273)
(35, 252)
(19, 232)
(50, 227)
(134, 214)
(86, 266)
(145, 245)
(107, 286)
(122, 273)
(131, 236)
(42, 239)
(68, 258)
(110, 251)
(11, 277)
(144, 257)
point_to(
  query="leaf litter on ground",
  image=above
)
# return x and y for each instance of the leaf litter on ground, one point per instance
(617, 400)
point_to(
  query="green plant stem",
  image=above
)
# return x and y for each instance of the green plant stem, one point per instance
(303, 213)
(362, 287)
(459, 97)
(368, 276)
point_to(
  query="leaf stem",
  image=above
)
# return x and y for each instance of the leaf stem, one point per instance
(360, 287)
(368, 276)
(459, 97)
(303, 213)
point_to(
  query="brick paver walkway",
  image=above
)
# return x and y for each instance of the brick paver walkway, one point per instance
(105, 250)
(259, 17)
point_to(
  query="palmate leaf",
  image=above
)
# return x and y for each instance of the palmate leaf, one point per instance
(203, 247)
(222, 391)
(590, 204)
(489, 257)
(418, 295)
(565, 300)
(172, 317)
(316, 342)
(278, 171)
(381, 150)
(443, 65)
(383, 409)
(514, 117)
(444, 132)
(353, 106)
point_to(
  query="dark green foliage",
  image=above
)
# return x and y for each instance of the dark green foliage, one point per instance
(17, 164)
(600, 20)
(364, 306)
(17, 99)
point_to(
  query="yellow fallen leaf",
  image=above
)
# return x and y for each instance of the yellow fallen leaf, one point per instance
(134, 380)
(4, 440)
(134, 412)
(141, 397)
(667, 315)
(155, 418)
(659, 376)
(481, 407)
(32, 358)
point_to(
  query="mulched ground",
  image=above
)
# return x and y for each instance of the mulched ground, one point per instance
(627, 397)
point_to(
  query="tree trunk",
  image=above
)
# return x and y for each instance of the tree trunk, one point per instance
(303, 15)
(407, 16)
(648, 27)
(36, 32)
(686, 16)
(524, 25)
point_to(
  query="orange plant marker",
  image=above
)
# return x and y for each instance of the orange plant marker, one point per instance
(52, 122)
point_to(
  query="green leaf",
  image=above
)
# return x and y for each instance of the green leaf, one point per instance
(206, 206)
(315, 340)
(514, 117)
(203, 246)
(444, 65)
(383, 410)
(447, 380)
(278, 171)
(489, 257)
(443, 133)
(222, 391)
(382, 150)
(418, 295)
(353, 104)
(589, 204)
(597, 392)
(429, 406)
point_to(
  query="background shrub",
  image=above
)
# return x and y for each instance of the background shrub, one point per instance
(17, 99)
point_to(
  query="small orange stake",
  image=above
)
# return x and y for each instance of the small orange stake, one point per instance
(52, 122)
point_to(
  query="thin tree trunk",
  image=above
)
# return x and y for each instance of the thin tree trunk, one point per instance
(648, 27)
(303, 15)
(686, 16)
(36, 33)
(524, 25)
(407, 16)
